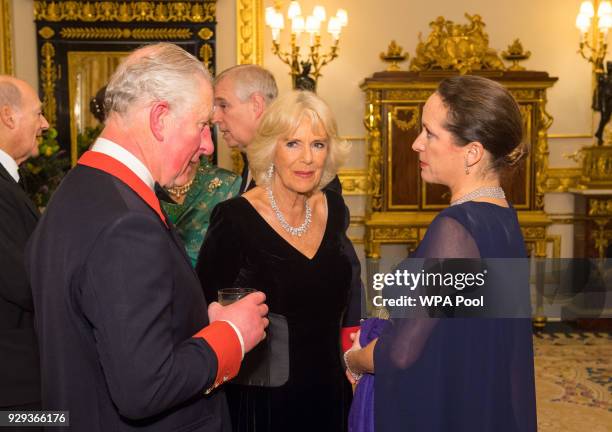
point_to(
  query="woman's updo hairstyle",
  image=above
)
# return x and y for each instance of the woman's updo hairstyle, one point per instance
(482, 110)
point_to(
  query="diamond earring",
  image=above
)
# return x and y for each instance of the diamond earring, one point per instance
(270, 173)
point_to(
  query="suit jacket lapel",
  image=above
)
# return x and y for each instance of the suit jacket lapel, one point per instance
(4, 174)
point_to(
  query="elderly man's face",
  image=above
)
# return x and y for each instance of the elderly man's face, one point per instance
(188, 138)
(30, 123)
(237, 120)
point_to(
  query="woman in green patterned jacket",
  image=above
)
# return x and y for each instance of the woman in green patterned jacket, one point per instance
(208, 186)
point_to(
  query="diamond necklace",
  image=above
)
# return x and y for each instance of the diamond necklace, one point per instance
(294, 231)
(486, 191)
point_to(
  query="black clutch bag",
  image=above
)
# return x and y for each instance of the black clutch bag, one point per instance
(267, 365)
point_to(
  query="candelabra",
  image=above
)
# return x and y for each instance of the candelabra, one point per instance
(597, 27)
(305, 70)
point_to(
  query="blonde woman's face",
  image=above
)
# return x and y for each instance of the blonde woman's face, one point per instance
(300, 158)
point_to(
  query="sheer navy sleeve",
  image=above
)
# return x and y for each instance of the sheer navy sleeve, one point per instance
(460, 374)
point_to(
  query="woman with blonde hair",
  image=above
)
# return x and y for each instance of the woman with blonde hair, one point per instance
(285, 237)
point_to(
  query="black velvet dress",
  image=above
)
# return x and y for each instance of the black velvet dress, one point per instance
(242, 250)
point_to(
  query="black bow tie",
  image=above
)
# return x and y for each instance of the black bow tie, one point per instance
(162, 194)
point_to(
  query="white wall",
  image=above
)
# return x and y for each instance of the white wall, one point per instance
(24, 41)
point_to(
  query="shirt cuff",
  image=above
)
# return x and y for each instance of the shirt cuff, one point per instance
(237, 334)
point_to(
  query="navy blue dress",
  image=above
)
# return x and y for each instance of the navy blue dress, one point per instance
(459, 374)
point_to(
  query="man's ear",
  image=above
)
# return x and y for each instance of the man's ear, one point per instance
(158, 119)
(7, 117)
(258, 102)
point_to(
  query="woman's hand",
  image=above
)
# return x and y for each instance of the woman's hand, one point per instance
(355, 338)
(351, 352)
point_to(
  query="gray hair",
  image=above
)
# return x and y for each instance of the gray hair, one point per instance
(157, 72)
(9, 92)
(249, 79)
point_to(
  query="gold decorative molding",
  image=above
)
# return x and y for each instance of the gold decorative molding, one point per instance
(372, 122)
(124, 33)
(601, 237)
(597, 167)
(49, 75)
(600, 207)
(408, 95)
(354, 181)
(562, 179)
(123, 11)
(541, 151)
(249, 26)
(205, 33)
(461, 47)
(6, 43)
(46, 32)
(522, 94)
(403, 124)
(206, 55)
(570, 136)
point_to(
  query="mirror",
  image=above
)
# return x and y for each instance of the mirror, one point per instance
(88, 72)
(81, 43)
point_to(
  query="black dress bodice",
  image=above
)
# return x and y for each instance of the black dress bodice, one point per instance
(242, 250)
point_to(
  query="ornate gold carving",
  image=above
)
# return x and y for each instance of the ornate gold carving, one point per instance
(540, 159)
(600, 207)
(49, 74)
(562, 179)
(354, 182)
(522, 94)
(601, 237)
(533, 233)
(205, 33)
(515, 54)
(206, 54)
(396, 235)
(46, 32)
(597, 167)
(124, 33)
(403, 124)
(123, 11)
(372, 122)
(250, 31)
(394, 56)
(6, 41)
(459, 47)
(410, 95)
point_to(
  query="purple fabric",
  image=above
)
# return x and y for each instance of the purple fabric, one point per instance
(361, 415)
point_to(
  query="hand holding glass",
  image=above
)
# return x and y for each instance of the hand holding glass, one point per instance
(228, 296)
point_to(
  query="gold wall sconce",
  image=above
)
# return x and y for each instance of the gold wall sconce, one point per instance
(305, 30)
(594, 32)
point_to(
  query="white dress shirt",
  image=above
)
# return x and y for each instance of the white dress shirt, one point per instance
(9, 164)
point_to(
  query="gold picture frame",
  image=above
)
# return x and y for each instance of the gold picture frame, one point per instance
(249, 31)
(6, 41)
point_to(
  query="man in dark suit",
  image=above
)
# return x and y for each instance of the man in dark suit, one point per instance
(21, 123)
(126, 341)
(242, 94)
